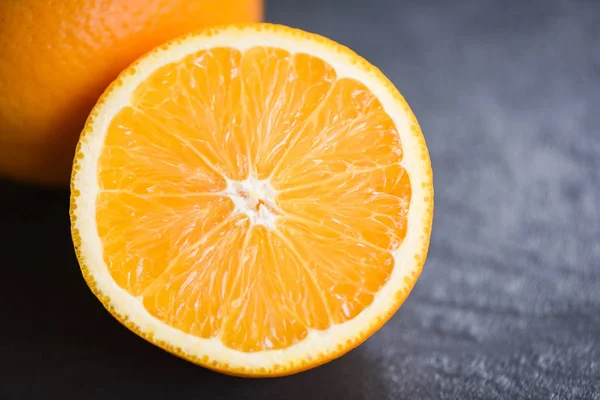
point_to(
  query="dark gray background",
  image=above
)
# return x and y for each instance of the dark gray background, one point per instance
(508, 306)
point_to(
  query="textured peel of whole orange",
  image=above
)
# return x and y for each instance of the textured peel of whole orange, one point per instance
(255, 199)
(57, 57)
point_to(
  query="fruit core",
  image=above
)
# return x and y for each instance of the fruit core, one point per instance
(256, 199)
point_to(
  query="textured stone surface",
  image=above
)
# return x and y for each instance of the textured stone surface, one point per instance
(508, 306)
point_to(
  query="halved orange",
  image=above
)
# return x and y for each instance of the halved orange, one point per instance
(255, 199)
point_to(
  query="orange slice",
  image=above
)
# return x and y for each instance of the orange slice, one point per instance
(255, 199)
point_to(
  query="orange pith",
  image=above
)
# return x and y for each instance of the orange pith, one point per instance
(172, 235)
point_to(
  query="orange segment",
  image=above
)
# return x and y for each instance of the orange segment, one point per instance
(275, 301)
(281, 90)
(349, 130)
(189, 293)
(142, 157)
(197, 101)
(347, 273)
(261, 199)
(370, 205)
(156, 227)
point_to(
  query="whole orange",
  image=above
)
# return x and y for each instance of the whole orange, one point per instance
(57, 57)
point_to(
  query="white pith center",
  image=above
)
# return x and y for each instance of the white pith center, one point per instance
(256, 199)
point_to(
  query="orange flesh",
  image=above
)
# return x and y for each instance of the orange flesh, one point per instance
(173, 238)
